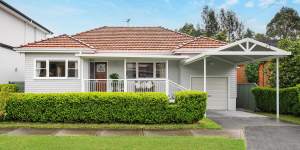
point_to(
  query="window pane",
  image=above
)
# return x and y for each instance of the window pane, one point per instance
(73, 64)
(73, 73)
(57, 68)
(41, 72)
(40, 64)
(131, 70)
(160, 70)
(145, 70)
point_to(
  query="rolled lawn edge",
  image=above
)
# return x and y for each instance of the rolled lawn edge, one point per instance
(202, 124)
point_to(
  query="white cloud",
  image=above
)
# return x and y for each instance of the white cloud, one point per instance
(268, 3)
(249, 4)
(229, 3)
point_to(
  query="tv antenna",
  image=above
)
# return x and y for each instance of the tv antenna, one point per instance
(127, 21)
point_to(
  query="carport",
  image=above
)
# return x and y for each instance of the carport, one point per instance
(242, 52)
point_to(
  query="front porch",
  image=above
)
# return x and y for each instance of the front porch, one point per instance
(103, 74)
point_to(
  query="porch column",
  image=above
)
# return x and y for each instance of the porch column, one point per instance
(167, 77)
(125, 76)
(204, 74)
(277, 88)
(82, 75)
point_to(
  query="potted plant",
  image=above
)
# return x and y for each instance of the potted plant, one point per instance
(114, 83)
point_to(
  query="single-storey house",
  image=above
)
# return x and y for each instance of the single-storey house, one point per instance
(141, 59)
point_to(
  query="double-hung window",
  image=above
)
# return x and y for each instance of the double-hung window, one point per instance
(145, 70)
(51, 68)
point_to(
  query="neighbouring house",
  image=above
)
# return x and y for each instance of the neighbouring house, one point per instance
(146, 59)
(16, 29)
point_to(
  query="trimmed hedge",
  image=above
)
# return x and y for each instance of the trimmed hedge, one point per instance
(8, 88)
(289, 99)
(106, 107)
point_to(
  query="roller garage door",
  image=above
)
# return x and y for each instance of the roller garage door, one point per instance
(217, 91)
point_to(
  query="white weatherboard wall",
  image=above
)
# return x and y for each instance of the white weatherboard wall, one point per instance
(12, 66)
(49, 85)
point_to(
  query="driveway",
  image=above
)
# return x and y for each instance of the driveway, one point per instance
(261, 132)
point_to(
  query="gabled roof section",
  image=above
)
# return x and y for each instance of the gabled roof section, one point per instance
(202, 42)
(12, 9)
(245, 50)
(133, 38)
(61, 41)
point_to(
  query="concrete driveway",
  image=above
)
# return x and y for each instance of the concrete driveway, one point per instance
(261, 132)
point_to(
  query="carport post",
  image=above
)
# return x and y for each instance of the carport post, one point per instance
(277, 87)
(204, 79)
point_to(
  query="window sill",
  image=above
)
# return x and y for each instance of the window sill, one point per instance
(49, 78)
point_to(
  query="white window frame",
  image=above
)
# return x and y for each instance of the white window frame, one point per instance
(56, 59)
(154, 69)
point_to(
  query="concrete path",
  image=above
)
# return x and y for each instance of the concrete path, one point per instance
(119, 132)
(261, 132)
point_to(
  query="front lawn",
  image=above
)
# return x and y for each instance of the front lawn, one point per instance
(132, 142)
(287, 118)
(203, 124)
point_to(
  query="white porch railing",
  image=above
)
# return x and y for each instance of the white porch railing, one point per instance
(133, 85)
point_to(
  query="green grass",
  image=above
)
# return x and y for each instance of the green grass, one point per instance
(203, 124)
(286, 118)
(121, 142)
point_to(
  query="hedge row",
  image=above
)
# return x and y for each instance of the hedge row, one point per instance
(8, 88)
(289, 99)
(107, 107)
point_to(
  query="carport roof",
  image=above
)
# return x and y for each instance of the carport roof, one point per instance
(242, 51)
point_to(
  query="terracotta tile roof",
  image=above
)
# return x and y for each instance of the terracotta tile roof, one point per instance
(202, 42)
(61, 41)
(128, 39)
(133, 38)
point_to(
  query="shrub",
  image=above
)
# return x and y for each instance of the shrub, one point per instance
(252, 72)
(106, 107)
(8, 88)
(266, 99)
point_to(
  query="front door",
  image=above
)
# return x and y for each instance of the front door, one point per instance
(101, 74)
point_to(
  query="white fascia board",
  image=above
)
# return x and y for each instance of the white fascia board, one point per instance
(270, 53)
(113, 55)
(54, 50)
(193, 59)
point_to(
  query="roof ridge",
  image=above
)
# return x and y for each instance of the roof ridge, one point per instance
(199, 37)
(43, 40)
(212, 39)
(97, 28)
(81, 42)
(167, 29)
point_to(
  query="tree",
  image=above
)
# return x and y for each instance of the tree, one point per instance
(285, 24)
(252, 72)
(261, 37)
(230, 23)
(189, 29)
(221, 36)
(210, 21)
(289, 67)
(249, 33)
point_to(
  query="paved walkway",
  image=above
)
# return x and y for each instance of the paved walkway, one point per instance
(261, 133)
(119, 132)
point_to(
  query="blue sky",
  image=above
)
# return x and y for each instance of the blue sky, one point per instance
(72, 16)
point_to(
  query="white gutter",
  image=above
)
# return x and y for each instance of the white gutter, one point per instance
(112, 55)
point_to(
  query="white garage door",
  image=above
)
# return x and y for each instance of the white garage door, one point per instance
(216, 89)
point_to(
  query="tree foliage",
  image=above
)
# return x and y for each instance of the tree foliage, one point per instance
(211, 24)
(252, 72)
(289, 68)
(230, 23)
(189, 29)
(285, 24)
(249, 33)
